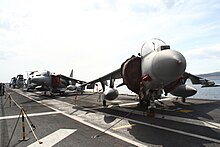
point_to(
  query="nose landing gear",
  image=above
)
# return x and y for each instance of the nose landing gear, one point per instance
(147, 99)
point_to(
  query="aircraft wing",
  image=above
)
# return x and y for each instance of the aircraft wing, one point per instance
(72, 79)
(111, 76)
(199, 80)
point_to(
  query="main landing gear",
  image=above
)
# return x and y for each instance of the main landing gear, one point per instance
(104, 102)
(148, 99)
(148, 106)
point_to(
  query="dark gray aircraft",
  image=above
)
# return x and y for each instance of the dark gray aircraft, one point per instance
(46, 81)
(157, 69)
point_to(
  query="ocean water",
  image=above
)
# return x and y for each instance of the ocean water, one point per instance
(207, 92)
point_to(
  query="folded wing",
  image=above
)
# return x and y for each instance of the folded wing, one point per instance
(199, 80)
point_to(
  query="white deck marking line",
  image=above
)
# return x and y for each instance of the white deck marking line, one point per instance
(124, 127)
(33, 114)
(53, 138)
(125, 104)
(177, 131)
(128, 104)
(190, 121)
(121, 137)
(139, 144)
(177, 119)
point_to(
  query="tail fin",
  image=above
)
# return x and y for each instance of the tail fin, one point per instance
(71, 74)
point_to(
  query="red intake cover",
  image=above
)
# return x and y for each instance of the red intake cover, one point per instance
(131, 73)
(55, 81)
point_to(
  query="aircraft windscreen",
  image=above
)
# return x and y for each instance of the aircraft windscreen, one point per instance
(45, 73)
(153, 45)
(20, 76)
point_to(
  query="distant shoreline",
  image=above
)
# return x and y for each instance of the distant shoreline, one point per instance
(210, 76)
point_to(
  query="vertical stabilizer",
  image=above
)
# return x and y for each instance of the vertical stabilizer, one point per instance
(71, 74)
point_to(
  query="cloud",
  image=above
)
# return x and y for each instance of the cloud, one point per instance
(156, 6)
(202, 57)
(94, 36)
(206, 52)
(3, 55)
(6, 25)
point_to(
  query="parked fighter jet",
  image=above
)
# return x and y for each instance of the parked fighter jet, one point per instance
(13, 82)
(17, 82)
(46, 81)
(157, 69)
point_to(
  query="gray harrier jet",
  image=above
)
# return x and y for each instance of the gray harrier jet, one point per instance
(46, 81)
(157, 69)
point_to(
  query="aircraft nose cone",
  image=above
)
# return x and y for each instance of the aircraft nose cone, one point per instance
(169, 65)
(35, 80)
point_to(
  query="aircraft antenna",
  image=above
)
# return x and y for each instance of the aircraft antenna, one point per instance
(154, 45)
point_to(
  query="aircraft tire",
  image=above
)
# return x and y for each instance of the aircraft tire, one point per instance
(151, 112)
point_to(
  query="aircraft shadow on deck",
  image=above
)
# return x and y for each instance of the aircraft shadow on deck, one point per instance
(152, 135)
(165, 138)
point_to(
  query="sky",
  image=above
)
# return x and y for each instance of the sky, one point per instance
(93, 37)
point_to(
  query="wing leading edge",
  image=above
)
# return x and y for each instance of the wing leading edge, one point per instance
(72, 79)
(103, 80)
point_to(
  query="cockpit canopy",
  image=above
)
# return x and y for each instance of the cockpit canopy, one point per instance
(44, 73)
(20, 77)
(154, 44)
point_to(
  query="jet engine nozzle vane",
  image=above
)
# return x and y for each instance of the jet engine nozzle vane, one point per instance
(37, 80)
(168, 65)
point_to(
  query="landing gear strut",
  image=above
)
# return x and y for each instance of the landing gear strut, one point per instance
(151, 108)
(183, 99)
(141, 102)
(149, 98)
(151, 112)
